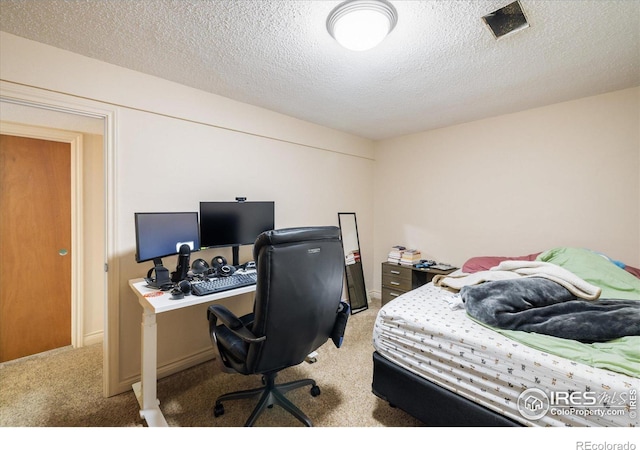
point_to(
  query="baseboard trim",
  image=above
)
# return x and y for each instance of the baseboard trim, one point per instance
(169, 368)
(93, 338)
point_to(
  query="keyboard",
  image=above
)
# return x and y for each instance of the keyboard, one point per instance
(223, 283)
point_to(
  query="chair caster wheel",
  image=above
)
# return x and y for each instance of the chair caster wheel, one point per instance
(315, 391)
(218, 410)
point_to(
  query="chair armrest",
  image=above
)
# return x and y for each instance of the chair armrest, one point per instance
(232, 322)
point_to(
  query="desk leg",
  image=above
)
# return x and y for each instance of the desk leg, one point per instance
(147, 392)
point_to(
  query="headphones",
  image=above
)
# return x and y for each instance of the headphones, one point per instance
(183, 288)
(219, 264)
(161, 281)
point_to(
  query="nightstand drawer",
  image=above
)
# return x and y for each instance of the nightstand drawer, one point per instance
(396, 271)
(390, 294)
(396, 282)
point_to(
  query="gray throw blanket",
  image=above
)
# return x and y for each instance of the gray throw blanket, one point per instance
(543, 306)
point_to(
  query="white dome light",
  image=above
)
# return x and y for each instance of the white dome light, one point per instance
(361, 24)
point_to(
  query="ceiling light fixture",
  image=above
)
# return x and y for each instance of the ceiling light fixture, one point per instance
(361, 24)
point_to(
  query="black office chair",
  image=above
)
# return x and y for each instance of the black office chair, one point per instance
(296, 310)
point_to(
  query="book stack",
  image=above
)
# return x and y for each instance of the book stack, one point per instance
(410, 257)
(395, 255)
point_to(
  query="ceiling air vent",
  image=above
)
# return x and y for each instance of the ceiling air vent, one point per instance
(506, 20)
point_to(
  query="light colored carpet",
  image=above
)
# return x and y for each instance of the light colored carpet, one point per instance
(63, 388)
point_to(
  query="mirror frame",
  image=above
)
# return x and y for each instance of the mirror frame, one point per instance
(354, 274)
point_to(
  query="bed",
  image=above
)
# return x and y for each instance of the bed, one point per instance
(442, 362)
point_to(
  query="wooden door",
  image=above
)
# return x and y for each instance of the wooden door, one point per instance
(35, 246)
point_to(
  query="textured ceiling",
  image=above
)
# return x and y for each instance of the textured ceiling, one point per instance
(440, 65)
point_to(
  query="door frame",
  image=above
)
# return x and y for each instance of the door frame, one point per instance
(77, 230)
(55, 101)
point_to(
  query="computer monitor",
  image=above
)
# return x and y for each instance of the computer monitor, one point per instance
(232, 224)
(160, 234)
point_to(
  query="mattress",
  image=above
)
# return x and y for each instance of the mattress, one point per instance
(428, 333)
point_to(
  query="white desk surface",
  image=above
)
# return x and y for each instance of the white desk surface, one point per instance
(154, 302)
(160, 301)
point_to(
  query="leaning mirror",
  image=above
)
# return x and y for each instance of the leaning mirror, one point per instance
(353, 262)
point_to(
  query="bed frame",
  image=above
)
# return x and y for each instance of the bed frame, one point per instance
(428, 402)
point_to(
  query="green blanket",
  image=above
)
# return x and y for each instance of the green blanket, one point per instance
(619, 355)
(594, 268)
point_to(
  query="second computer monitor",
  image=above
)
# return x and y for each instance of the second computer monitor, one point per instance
(232, 224)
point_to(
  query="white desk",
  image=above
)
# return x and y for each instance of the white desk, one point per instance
(155, 302)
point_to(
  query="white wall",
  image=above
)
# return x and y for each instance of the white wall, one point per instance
(94, 249)
(169, 164)
(175, 146)
(562, 175)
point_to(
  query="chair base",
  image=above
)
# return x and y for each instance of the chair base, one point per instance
(270, 394)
